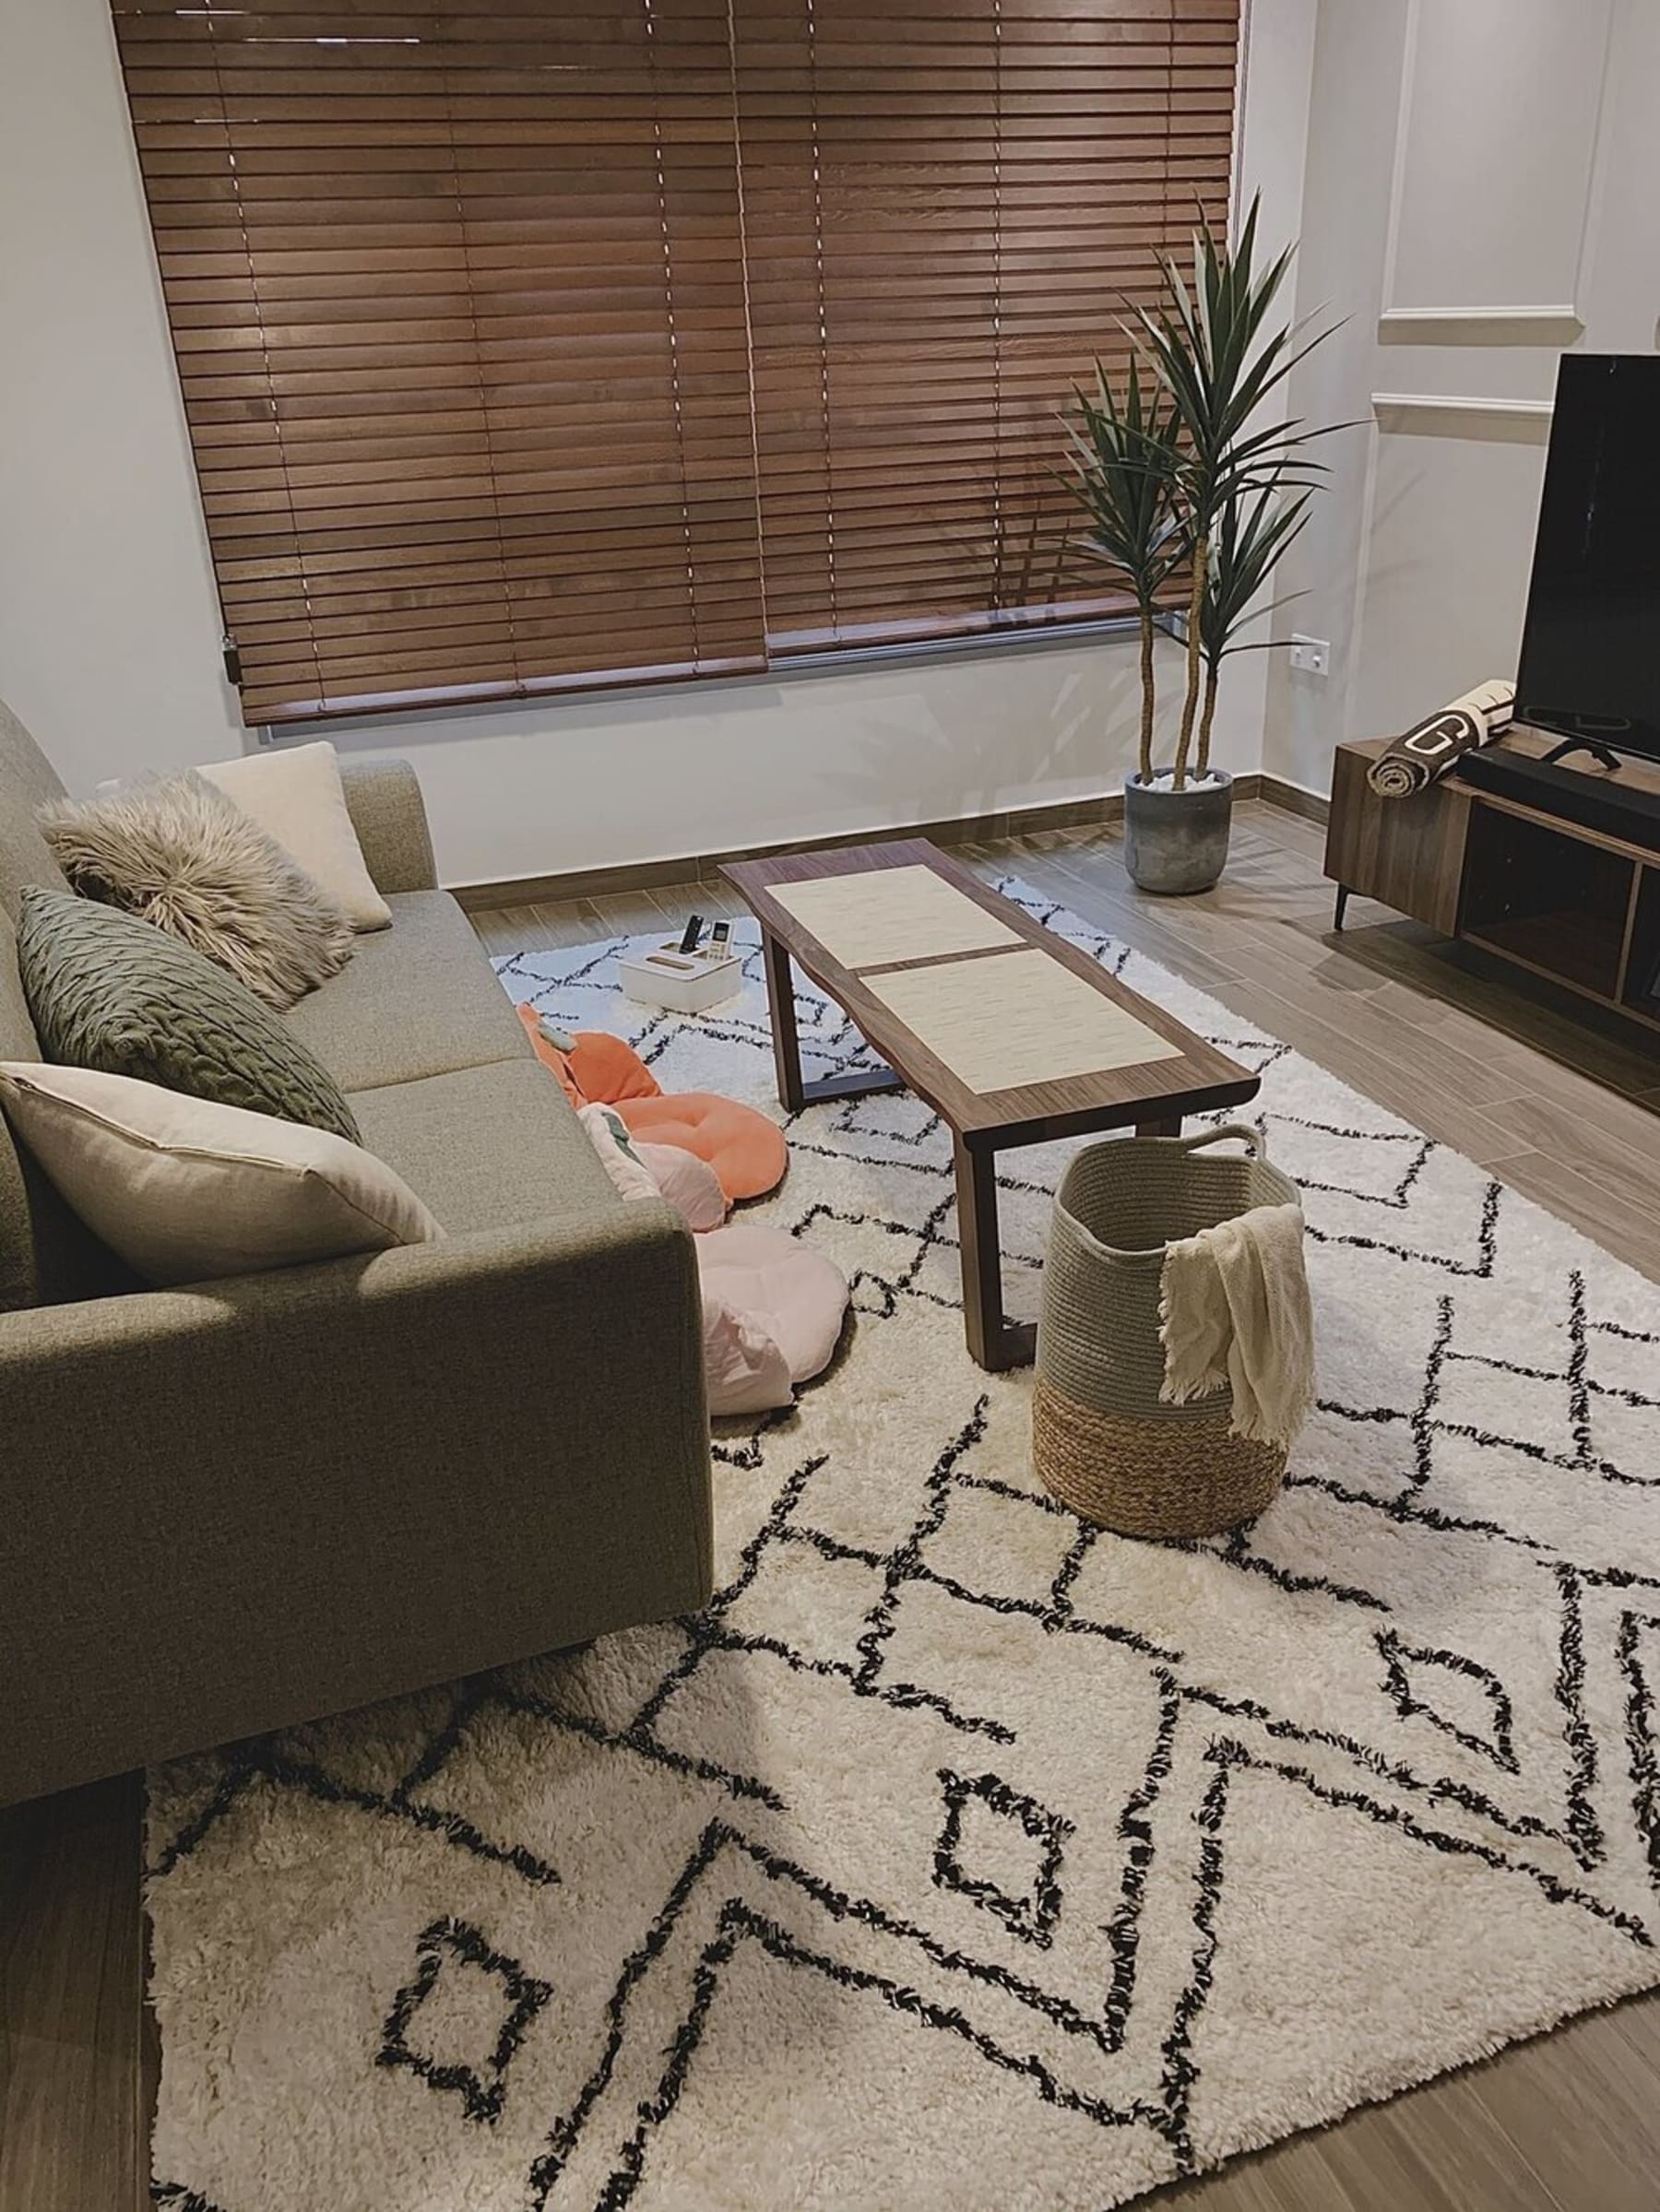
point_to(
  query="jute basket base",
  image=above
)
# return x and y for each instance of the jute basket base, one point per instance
(1143, 1477)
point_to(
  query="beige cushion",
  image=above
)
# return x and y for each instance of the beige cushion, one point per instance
(415, 999)
(187, 1191)
(295, 795)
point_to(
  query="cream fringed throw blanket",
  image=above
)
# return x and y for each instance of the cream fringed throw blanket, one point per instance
(1234, 1308)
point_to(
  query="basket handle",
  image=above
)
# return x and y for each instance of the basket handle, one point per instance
(1255, 1141)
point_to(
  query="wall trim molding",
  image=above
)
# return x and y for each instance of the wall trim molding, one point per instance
(1295, 799)
(690, 868)
(967, 829)
(1519, 418)
(1590, 211)
(1475, 326)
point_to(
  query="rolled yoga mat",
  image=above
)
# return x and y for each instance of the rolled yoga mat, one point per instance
(1410, 763)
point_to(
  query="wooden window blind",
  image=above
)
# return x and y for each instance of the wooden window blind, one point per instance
(456, 292)
(525, 348)
(948, 204)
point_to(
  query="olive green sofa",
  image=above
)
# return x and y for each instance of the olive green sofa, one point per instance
(230, 1508)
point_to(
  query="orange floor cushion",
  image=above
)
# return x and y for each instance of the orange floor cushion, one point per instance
(599, 1068)
(746, 1151)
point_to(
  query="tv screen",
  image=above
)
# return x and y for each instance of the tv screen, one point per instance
(1591, 645)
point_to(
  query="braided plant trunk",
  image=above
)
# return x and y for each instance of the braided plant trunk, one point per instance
(1147, 691)
(1208, 715)
(1190, 705)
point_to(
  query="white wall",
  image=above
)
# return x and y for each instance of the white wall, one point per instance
(1481, 192)
(109, 625)
(108, 619)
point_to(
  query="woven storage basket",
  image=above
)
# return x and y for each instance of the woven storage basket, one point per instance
(1102, 1440)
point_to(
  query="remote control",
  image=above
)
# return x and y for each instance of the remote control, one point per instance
(688, 943)
(720, 936)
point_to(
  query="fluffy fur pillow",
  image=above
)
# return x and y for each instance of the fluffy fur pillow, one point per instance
(180, 854)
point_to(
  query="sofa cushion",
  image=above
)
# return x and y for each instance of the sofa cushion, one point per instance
(188, 1190)
(296, 795)
(418, 998)
(110, 992)
(486, 1147)
(26, 784)
(47, 1253)
(176, 852)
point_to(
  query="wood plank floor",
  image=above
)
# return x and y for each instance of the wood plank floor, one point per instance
(75, 2075)
(1564, 1109)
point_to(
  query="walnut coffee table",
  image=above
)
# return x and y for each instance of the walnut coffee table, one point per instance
(1012, 1035)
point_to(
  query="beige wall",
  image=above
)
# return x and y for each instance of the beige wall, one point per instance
(108, 622)
(1482, 190)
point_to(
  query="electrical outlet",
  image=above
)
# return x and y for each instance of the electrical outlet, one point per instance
(1312, 655)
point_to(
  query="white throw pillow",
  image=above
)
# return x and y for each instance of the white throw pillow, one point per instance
(186, 1190)
(655, 1170)
(608, 1133)
(296, 795)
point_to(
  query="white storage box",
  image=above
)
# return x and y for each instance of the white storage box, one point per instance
(684, 983)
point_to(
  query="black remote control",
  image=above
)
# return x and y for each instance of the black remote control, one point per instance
(688, 943)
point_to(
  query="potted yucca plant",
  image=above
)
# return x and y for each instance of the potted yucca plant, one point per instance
(1124, 455)
(1179, 479)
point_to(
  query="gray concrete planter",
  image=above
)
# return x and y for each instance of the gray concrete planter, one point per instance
(1176, 842)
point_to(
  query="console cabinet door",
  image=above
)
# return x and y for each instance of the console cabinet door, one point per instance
(1408, 853)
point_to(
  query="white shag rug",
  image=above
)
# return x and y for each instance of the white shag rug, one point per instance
(959, 1855)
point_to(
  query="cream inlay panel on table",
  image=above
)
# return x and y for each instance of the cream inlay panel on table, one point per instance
(886, 914)
(1023, 1017)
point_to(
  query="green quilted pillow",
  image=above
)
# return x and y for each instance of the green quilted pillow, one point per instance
(115, 993)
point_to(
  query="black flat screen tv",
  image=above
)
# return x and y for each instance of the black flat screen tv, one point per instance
(1590, 663)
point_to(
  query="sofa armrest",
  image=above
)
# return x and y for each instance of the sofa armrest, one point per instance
(231, 1507)
(390, 816)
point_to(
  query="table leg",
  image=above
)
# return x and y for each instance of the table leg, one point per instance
(787, 1048)
(794, 1091)
(995, 1343)
(1169, 1125)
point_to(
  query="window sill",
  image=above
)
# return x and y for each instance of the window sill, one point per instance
(418, 710)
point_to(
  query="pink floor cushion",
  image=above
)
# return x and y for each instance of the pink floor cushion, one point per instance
(743, 1369)
(746, 1151)
(765, 1293)
(686, 1182)
(641, 1170)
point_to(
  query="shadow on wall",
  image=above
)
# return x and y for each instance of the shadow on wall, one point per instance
(1047, 712)
(609, 779)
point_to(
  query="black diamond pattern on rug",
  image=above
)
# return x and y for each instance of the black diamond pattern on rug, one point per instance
(1043, 1835)
(446, 1950)
(1425, 1682)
